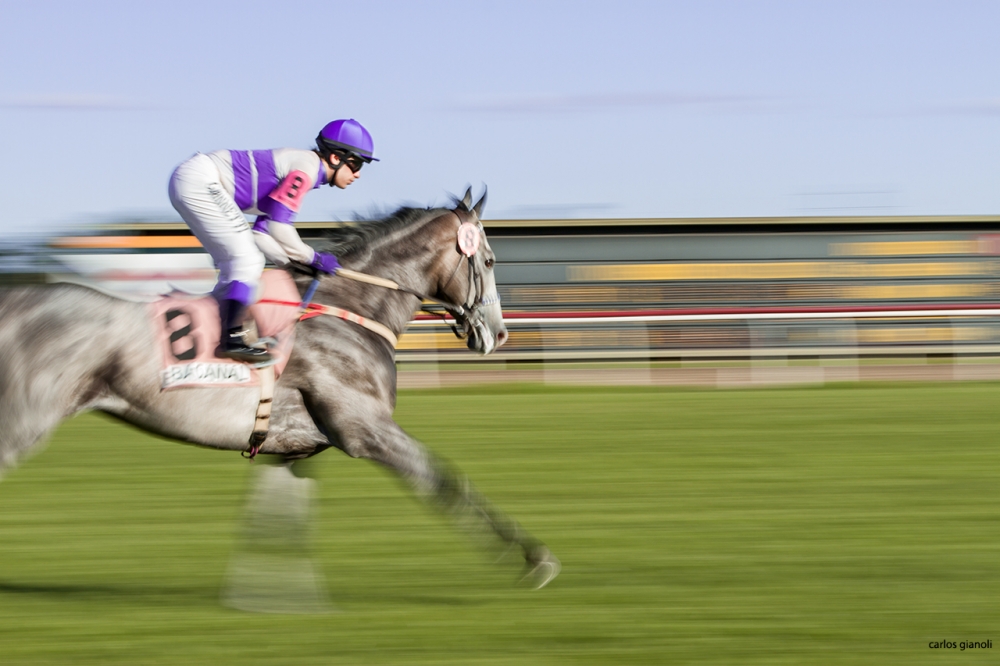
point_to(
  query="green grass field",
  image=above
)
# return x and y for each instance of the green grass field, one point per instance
(829, 525)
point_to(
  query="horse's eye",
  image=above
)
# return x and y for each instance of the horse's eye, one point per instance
(489, 263)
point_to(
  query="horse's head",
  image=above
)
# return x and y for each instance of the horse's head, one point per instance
(465, 278)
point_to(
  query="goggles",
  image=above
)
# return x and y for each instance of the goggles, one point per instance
(353, 163)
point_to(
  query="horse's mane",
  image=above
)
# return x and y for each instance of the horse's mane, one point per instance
(356, 236)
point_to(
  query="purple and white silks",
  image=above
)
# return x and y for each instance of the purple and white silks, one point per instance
(255, 176)
(212, 191)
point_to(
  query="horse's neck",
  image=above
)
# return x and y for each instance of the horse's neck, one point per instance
(388, 259)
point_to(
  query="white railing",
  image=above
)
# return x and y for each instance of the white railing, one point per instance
(855, 353)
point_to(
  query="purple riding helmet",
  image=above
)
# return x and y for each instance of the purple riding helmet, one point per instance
(345, 137)
(348, 136)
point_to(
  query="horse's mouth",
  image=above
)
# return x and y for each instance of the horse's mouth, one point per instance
(476, 342)
(483, 341)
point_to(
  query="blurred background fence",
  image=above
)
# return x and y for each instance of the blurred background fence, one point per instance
(705, 301)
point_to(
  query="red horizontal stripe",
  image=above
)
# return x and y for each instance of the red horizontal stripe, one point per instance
(738, 311)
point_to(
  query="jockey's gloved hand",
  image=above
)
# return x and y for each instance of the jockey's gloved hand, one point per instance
(325, 262)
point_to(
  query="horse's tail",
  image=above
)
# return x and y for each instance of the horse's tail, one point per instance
(57, 346)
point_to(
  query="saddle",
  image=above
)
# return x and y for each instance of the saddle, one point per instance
(188, 330)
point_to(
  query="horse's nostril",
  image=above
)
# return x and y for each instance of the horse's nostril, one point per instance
(501, 337)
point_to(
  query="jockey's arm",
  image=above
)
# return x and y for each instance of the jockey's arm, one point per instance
(274, 233)
(281, 243)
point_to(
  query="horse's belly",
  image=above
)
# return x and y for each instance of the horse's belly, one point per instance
(221, 418)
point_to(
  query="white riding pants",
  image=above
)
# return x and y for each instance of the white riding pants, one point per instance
(211, 212)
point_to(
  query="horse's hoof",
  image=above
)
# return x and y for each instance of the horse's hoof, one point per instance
(542, 567)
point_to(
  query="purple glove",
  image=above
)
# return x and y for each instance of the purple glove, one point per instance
(326, 263)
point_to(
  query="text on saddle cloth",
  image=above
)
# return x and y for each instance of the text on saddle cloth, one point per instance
(187, 331)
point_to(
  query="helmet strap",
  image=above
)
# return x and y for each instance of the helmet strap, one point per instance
(333, 174)
(326, 156)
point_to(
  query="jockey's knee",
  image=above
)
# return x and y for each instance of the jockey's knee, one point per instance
(249, 263)
(246, 268)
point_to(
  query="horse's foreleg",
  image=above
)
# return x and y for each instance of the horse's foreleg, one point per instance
(383, 441)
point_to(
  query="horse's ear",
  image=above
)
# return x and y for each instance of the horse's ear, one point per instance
(480, 205)
(466, 202)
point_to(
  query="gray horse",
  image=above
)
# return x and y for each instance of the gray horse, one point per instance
(65, 349)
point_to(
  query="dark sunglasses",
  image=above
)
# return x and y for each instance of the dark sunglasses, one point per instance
(354, 164)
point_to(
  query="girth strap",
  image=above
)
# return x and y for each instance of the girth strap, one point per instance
(263, 417)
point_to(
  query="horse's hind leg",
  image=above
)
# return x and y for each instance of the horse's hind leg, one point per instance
(31, 406)
(382, 440)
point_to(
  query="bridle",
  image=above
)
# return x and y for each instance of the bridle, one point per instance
(467, 314)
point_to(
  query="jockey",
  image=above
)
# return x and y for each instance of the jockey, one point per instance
(211, 192)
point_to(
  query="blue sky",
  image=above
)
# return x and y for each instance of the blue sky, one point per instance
(565, 109)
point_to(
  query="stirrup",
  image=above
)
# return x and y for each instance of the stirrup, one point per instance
(273, 360)
(248, 355)
(234, 345)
